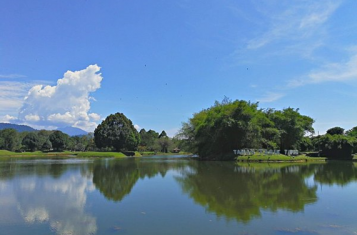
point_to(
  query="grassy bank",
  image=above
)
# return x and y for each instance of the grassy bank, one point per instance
(5, 153)
(278, 158)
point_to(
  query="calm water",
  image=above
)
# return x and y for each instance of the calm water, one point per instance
(176, 196)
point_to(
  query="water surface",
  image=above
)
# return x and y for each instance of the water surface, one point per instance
(172, 195)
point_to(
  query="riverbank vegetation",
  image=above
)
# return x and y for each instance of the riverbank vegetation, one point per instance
(114, 137)
(215, 132)
(212, 134)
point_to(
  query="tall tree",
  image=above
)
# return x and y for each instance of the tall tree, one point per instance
(118, 132)
(10, 140)
(292, 127)
(59, 140)
(31, 141)
(336, 131)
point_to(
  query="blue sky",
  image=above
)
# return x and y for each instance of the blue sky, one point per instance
(158, 62)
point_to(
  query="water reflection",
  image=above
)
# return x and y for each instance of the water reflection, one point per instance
(116, 178)
(43, 193)
(242, 192)
(339, 173)
(55, 193)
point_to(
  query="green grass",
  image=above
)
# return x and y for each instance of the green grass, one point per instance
(5, 153)
(279, 158)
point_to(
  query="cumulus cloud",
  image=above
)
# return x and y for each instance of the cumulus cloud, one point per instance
(65, 104)
(7, 118)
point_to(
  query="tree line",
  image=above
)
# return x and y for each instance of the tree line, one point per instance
(115, 133)
(44, 140)
(212, 134)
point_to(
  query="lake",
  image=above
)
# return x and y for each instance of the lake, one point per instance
(173, 195)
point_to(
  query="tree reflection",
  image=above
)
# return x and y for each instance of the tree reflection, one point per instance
(116, 178)
(336, 172)
(242, 192)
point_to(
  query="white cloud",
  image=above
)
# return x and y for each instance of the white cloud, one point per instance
(7, 118)
(94, 116)
(137, 127)
(31, 117)
(12, 76)
(299, 25)
(271, 97)
(65, 104)
(337, 72)
(12, 95)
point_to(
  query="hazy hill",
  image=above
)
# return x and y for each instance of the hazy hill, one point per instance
(19, 128)
(72, 131)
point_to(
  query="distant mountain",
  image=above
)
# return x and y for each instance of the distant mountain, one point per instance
(19, 128)
(72, 131)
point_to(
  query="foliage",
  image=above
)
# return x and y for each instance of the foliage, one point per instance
(352, 132)
(335, 131)
(336, 146)
(9, 139)
(59, 140)
(214, 132)
(118, 132)
(164, 144)
(148, 140)
(306, 144)
(162, 134)
(31, 141)
(292, 127)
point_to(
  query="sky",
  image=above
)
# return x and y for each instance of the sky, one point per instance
(74, 62)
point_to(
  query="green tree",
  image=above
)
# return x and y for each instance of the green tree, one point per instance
(336, 146)
(47, 145)
(10, 140)
(292, 127)
(162, 134)
(148, 139)
(216, 131)
(352, 132)
(336, 131)
(59, 140)
(164, 144)
(31, 141)
(118, 132)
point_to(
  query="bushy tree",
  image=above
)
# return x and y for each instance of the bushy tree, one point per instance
(336, 131)
(214, 132)
(148, 139)
(162, 134)
(225, 126)
(336, 146)
(9, 139)
(118, 132)
(292, 127)
(31, 141)
(59, 140)
(47, 145)
(164, 144)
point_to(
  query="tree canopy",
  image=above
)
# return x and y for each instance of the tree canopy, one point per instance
(214, 132)
(117, 132)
